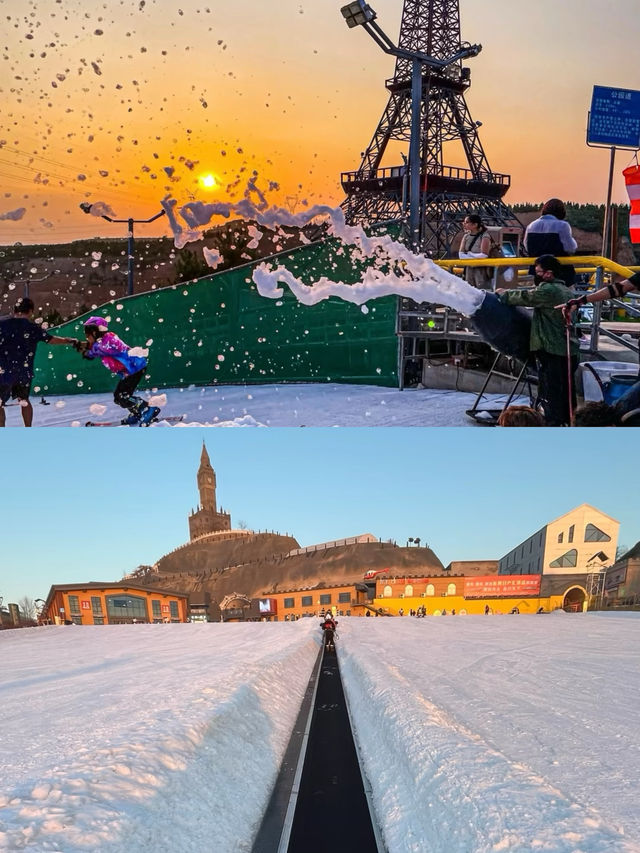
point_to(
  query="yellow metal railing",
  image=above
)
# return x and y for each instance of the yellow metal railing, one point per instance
(588, 263)
(583, 263)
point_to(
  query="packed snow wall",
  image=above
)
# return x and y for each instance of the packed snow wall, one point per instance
(218, 329)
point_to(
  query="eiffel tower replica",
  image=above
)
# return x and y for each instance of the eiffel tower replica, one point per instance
(447, 193)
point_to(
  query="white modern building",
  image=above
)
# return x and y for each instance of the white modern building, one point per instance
(581, 541)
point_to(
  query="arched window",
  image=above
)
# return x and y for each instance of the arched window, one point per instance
(387, 592)
(430, 590)
(451, 589)
(408, 590)
(567, 560)
(594, 534)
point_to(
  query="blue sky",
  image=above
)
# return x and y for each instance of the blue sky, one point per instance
(82, 505)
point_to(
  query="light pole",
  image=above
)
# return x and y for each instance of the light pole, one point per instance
(27, 281)
(86, 208)
(360, 14)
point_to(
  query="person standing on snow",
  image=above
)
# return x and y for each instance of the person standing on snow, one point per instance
(118, 358)
(19, 337)
(328, 630)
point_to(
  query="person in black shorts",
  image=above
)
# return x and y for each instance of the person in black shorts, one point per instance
(19, 337)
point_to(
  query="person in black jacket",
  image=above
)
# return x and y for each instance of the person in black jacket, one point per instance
(19, 337)
(550, 234)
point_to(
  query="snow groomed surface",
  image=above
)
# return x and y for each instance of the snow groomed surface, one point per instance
(477, 733)
(218, 329)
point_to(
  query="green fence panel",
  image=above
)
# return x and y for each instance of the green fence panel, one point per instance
(220, 330)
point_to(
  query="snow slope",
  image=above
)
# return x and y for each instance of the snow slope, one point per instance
(271, 405)
(477, 734)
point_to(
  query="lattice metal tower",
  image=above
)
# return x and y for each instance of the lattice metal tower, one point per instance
(447, 193)
(596, 586)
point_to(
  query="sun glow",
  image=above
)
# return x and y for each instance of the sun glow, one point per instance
(209, 181)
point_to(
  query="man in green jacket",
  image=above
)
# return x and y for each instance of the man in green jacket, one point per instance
(548, 341)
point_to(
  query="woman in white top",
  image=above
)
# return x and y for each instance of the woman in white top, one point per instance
(476, 243)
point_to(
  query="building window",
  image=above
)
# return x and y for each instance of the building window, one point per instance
(307, 601)
(451, 589)
(156, 610)
(567, 560)
(289, 602)
(571, 529)
(560, 538)
(594, 534)
(344, 597)
(325, 599)
(388, 592)
(77, 620)
(173, 609)
(96, 607)
(98, 620)
(126, 608)
(408, 590)
(74, 605)
(430, 590)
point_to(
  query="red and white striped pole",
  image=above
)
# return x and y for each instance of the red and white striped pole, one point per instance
(632, 180)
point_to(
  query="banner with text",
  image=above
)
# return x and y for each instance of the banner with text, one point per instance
(490, 586)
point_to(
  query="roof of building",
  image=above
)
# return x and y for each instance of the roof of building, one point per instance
(581, 506)
(67, 587)
(631, 554)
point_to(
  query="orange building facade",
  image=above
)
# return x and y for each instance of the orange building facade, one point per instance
(112, 604)
(347, 600)
(438, 594)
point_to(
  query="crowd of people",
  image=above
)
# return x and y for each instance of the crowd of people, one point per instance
(421, 612)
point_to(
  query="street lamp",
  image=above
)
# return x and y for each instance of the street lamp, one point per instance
(27, 281)
(361, 14)
(86, 208)
(357, 14)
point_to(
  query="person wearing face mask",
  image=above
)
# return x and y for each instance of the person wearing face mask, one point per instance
(548, 339)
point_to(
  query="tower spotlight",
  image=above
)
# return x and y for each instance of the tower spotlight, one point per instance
(357, 14)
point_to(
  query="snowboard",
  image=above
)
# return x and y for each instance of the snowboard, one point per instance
(172, 419)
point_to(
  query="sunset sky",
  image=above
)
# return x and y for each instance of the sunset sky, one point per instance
(124, 102)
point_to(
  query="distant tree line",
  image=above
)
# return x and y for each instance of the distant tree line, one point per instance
(586, 217)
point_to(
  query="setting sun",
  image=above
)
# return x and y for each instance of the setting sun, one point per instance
(208, 181)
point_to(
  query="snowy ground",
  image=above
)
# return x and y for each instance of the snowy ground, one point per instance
(478, 734)
(272, 405)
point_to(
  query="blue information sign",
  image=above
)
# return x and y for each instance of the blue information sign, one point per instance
(614, 118)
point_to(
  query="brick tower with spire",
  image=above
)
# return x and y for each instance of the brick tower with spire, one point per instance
(207, 519)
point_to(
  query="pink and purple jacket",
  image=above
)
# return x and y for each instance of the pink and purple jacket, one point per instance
(114, 354)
